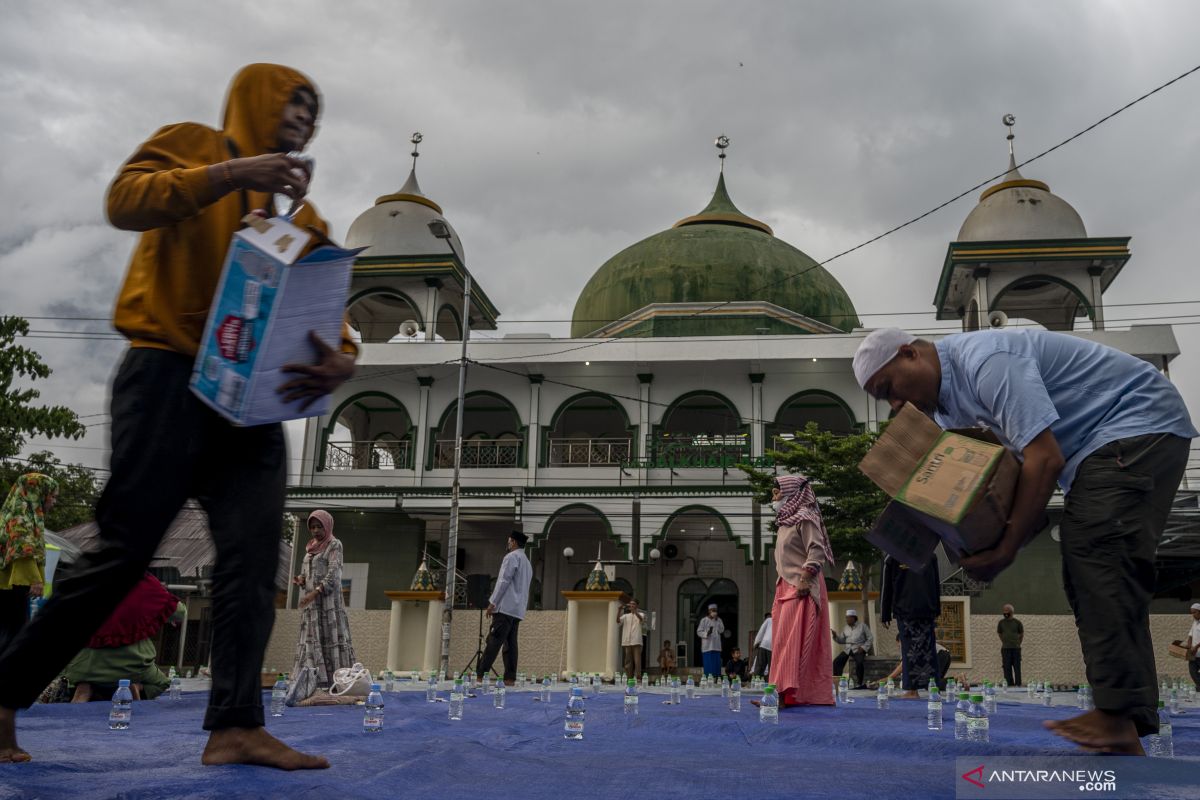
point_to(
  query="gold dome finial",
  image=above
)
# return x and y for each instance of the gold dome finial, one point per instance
(721, 142)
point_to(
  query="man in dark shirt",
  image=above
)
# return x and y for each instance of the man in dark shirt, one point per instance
(737, 666)
(1011, 632)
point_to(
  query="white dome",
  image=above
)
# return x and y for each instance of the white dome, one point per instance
(398, 225)
(1017, 208)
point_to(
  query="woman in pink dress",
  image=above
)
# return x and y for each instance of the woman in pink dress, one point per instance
(802, 656)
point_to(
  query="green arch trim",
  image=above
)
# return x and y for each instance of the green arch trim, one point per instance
(370, 290)
(1070, 287)
(698, 393)
(544, 445)
(323, 444)
(539, 540)
(854, 423)
(522, 431)
(454, 314)
(662, 533)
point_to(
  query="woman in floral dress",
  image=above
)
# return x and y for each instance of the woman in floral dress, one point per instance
(324, 630)
(23, 549)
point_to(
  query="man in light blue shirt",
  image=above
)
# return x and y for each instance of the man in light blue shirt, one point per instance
(1109, 429)
(507, 608)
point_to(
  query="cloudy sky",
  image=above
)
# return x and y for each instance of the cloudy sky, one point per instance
(558, 133)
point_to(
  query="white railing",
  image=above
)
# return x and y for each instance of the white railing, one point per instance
(378, 454)
(589, 452)
(479, 453)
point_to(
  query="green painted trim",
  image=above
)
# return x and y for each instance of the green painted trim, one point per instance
(821, 393)
(457, 321)
(373, 290)
(426, 267)
(662, 533)
(522, 430)
(1091, 312)
(337, 413)
(539, 540)
(544, 444)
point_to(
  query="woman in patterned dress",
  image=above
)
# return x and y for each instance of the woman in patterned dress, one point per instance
(23, 549)
(324, 630)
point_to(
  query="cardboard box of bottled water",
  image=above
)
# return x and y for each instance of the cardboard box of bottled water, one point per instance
(267, 301)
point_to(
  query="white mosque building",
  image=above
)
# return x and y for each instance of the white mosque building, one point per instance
(690, 351)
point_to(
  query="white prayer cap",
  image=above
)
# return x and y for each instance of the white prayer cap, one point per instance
(712, 606)
(877, 349)
(850, 612)
(1195, 606)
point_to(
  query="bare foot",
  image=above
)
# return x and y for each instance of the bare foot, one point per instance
(911, 694)
(83, 693)
(10, 751)
(256, 746)
(1100, 731)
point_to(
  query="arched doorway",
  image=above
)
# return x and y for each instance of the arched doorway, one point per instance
(586, 531)
(693, 598)
(371, 430)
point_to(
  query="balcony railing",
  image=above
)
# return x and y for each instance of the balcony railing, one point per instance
(701, 450)
(378, 454)
(589, 452)
(479, 453)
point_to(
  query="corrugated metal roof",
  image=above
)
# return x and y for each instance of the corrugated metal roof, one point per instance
(187, 546)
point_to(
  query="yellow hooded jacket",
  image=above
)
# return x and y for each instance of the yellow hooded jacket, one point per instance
(164, 191)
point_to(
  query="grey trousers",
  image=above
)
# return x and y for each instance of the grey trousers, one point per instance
(1112, 522)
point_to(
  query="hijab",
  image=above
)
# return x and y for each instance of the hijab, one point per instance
(799, 503)
(319, 542)
(23, 519)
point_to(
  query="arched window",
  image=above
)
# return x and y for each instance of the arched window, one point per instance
(588, 430)
(493, 436)
(700, 429)
(827, 410)
(371, 430)
(378, 314)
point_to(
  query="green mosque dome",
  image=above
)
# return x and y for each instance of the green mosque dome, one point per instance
(666, 285)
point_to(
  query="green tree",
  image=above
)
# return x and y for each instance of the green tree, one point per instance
(77, 487)
(850, 502)
(18, 416)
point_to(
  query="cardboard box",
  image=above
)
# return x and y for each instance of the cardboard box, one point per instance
(1177, 650)
(264, 307)
(956, 487)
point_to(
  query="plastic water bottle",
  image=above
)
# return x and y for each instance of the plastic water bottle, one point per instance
(989, 698)
(373, 711)
(1047, 695)
(1173, 701)
(768, 711)
(1031, 689)
(891, 689)
(977, 720)
(456, 699)
(631, 698)
(724, 688)
(176, 691)
(389, 681)
(487, 682)
(597, 684)
(278, 694)
(951, 688)
(691, 688)
(122, 707)
(934, 710)
(573, 725)
(498, 695)
(645, 680)
(735, 695)
(883, 698)
(843, 695)
(1161, 744)
(960, 717)
(1003, 685)
(544, 694)
(431, 689)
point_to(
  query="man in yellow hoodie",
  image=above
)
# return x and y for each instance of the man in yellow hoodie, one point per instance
(187, 190)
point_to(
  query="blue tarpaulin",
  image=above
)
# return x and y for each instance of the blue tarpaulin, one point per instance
(695, 750)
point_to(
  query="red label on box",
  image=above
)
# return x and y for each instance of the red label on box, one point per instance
(233, 339)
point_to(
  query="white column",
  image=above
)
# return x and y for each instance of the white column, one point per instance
(757, 426)
(395, 631)
(613, 653)
(534, 429)
(572, 636)
(422, 443)
(981, 297)
(431, 307)
(1097, 299)
(433, 635)
(644, 414)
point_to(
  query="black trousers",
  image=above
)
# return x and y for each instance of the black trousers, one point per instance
(1112, 521)
(166, 447)
(1010, 657)
(14, 613)
(860, 665)
(762, 661)
(503, 633)
(1194, 671)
